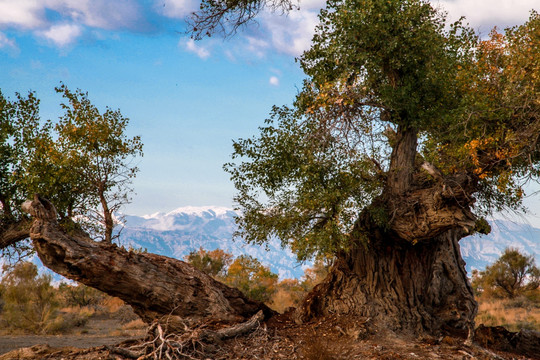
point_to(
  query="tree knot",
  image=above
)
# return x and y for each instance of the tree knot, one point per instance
(40, 208)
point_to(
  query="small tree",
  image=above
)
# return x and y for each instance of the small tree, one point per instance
(213, 263)
(82, 163)
(289, 293)
(315, 274)
(511, 275)
(80, 295)
(255, 280)
(30, 301)
(98, 151)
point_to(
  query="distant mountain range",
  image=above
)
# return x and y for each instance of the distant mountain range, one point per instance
(481, 250)
(178, 232)
(185, 229)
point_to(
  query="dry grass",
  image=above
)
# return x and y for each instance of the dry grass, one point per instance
(516, 314)
(112, 304)
(86, 311)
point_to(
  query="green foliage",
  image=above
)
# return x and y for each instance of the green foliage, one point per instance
(482, 226)
(213, 263)
(391, 55)
(314, 275)
(30, 302)
(493, 136)
(513, 274)
(83, 163)
(80, 295)
(26, 143)
(255, 280)
(97, 150)
(378, 68)
(303, 187)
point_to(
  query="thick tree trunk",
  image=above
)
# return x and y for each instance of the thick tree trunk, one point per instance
(405, 287)
(405, 271)
(155, 286)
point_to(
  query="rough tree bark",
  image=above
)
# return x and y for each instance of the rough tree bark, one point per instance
(402, 161)
(155, 286)
(14, 231)
(400, 286)
(406, 271)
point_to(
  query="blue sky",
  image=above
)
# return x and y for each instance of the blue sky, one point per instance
(187, 100)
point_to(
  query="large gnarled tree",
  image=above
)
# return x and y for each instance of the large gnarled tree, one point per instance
(406, 133)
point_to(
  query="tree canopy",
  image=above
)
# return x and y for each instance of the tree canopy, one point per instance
(83, 162)
(513, 274)
(401, 113)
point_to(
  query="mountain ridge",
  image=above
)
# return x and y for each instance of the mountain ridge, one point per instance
(184, 229)
(178, 232)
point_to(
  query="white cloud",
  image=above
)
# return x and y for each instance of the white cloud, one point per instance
(292, 34)
(62, 35)
(256, 46)
(104, 14)
(274, 81)
(200, 51)
(485, 14)
(311, 4)
(177, 8)
(22, 13)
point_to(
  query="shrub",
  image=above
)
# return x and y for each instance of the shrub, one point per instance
(80, 295)
(289, 293)
(30, 302)
(255, 280)
(513, 274)
(213, 263)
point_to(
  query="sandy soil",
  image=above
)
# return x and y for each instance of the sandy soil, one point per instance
(97, 332)
(8, 343)
(278, 339)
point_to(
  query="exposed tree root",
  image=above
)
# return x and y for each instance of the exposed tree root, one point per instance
(190, 344)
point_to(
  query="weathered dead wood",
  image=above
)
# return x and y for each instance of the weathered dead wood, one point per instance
(157, 287)
(240, 329)
(524, 342)
(162, 344)
(425, 212)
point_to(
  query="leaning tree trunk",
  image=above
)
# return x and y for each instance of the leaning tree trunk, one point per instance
(155, 286)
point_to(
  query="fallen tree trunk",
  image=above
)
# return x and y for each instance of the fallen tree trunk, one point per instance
(155, 286)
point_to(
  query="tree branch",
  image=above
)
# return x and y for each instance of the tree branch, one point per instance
(13, 232)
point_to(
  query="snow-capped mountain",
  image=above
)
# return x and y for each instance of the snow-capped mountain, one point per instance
(481, 250)
(185, 229)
